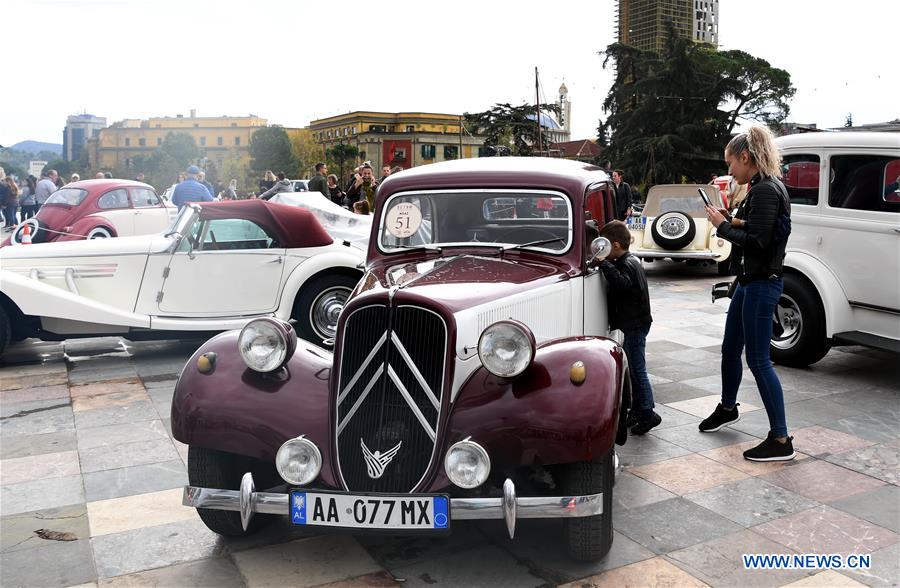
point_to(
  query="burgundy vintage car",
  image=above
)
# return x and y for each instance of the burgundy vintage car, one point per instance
(98, 209)
(473, 373)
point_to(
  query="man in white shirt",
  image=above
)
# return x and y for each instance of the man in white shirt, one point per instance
(45, 187)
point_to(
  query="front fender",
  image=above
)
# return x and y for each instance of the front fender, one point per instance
(338, 258)
(838, 314)
(238, 410)
(85, 225)
(541, 417)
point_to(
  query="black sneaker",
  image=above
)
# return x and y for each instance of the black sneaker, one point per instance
(720, 418)
(771, 450)
(643, 426)
(632, 419)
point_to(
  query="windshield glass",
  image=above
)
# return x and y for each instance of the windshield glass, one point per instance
(489, 218)
(67, 197)
(679, 198)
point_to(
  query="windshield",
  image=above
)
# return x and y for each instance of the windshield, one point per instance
(679, 198)
(67, 197)
(184, 218)
(539, 219)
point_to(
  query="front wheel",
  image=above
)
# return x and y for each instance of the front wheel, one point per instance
(589, 538)
(319, 305)
(798, 330)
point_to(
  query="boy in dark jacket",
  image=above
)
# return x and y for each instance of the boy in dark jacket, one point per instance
(629, 311)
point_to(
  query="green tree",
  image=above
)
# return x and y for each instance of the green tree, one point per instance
(511, 126)
(307, 152)
(671, 114)
(236, 168)
(341, 159)
(181, 147)
(270, 148)
(62, 167)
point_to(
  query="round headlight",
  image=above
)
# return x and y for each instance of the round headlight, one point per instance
(266, 344)
(506, 348)
(467, 464)
(298, 461)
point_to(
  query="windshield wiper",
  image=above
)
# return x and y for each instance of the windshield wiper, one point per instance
(534, 243)
(427, 247)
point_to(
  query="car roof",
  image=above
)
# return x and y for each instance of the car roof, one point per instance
(105, 183)
(858, 139)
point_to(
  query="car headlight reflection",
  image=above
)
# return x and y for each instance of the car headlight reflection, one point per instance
(467, 464)
(266, 344)
(506, 348)
(298, 461)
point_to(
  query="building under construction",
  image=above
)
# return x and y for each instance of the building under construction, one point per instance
(644, 23)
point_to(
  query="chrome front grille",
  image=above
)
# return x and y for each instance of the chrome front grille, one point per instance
(389, 396)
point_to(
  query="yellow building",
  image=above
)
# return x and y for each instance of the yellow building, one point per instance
(218, 137)
(405, 139)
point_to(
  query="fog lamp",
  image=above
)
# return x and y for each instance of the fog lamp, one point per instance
(298, 461)
(266, 344)
(467, 464)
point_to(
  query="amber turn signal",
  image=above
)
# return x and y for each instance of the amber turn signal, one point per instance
(206, 363)
(577, 373)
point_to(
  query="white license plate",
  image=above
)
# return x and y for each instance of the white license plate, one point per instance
(637, 226)
(370, 511)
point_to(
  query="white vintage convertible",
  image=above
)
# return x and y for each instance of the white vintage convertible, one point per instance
(219, 265)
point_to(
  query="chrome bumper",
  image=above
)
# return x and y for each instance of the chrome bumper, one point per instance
(658, 253)
(509, 507)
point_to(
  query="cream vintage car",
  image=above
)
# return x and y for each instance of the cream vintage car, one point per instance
(673, 225)
(219, 265)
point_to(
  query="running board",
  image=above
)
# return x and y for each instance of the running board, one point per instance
(867, 339)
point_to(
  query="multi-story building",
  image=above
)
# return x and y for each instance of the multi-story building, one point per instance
(644, 23)
(405, 139)
(218, 138)
(79, 129)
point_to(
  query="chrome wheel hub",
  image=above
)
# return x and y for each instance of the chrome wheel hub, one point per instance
(787, 323)
(326, 309)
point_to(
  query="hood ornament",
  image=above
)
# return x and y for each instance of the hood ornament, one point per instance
(377, 462)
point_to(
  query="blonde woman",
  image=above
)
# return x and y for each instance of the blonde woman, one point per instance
(230, 193)
(759, 237)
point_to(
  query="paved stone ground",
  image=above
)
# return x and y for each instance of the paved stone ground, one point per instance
(91, 480)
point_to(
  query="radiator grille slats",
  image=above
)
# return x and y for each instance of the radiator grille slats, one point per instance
(412, 352)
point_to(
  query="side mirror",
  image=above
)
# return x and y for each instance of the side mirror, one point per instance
(600, 248)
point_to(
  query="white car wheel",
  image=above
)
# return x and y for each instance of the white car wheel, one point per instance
(99, 233)
(673, 230)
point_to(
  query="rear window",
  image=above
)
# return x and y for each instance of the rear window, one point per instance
(67, 197)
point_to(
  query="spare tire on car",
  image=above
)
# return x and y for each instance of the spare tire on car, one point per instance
(673, 230)
(39, 232)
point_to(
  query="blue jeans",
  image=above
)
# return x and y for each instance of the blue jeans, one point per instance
(749, 325)
(641, 392)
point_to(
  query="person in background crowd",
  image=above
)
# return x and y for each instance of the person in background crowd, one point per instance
(139, 177)
(220, 189)
(12, 202)
(758, 255)
(201, 177)
(45, 187)
(191, 190)
(282, 185)
(319, 183)
(267, 182)
(361, 207)
(99, 176)
(334, 191)
(230, 193)
(396, 169)
(353, 175)
(623, 195)
(363, 187)
(736, 193)
(385, 172)
(74, 178)
(4, 200)
(26, 199)
(108, 175)
(59, 181)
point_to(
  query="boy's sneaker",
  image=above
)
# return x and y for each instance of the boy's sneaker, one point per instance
(632, 419)
(771, 450)
(643, 426)
(720, 418)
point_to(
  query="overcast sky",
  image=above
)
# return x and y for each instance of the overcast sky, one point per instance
(295, 61)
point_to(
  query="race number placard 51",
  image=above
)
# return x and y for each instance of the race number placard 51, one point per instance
(403, 220)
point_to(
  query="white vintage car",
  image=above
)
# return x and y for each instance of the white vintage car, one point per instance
(219, 265)
(673, 224)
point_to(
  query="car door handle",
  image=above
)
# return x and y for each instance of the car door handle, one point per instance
(897, 230)
(276, 260)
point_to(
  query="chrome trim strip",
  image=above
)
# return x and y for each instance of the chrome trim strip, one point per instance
(361, 369)
(70, 281)
(415, 371)
(362, 397)
(679, 255)
(412, 403)
(60, 271)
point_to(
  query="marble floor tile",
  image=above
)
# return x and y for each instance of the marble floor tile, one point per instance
(28, 445)
(691, 473)
(694, 356)
(632, 491)
(154, 547)
(675, 392)
(115, 415)
(40, 494)
(757, 424)
(751, 501)
(651, 525)
(112, 435)
(705, 405)
(876, 427)
(397, 552)
(673, 418)
(55, 418)
(712, 383)
(664, 346)
(490, 566)
(128, 454)
(820, 410)
(821, 480)
(19, 529)
(71, 564)
(39, 467)
(116, 515)
(109, 400)
(718, 562)
(34, 394)
(307, 562)
(215, 572)
(639, 450)
(100, 369)
(690, 437)
(820, 441)
(880, 506)
(871, 400)
(884, 572)
(826, 530)
(679, 373)
(18, 382)
(32, 370)
(651, 572)
(373, 580)
(879, 461)
(733, 455)
(101, 388)
(828, 578)
(133, 480)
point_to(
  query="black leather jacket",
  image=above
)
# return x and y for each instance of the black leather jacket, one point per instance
(628, 297)
(756, 255)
